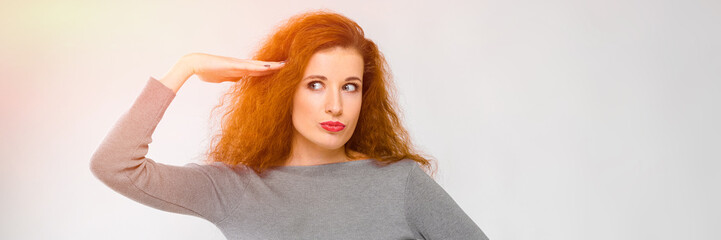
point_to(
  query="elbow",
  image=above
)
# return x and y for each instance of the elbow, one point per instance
(104, 171)
(96, 167)
(99, 166)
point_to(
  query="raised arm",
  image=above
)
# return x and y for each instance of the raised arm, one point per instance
(204, 191)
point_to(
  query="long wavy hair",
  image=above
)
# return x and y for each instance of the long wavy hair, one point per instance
(256, 126)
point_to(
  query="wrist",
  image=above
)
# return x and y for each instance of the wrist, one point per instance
(185, 64)
(177, 75)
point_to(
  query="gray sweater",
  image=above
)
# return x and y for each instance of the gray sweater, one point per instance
(346, 200)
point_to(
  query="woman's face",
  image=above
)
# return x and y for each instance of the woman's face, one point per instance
(327, 102)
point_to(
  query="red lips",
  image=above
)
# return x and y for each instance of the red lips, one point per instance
(332, 126)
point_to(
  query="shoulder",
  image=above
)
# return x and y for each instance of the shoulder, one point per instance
(402, 169)
(403, 165)
(416, 177)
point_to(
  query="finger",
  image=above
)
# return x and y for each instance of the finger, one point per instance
(254, 65)
(271, 64)
(265, 62)
(274, 65)
(255, 71)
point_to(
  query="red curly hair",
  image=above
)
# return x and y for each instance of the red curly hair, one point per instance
(256, 126)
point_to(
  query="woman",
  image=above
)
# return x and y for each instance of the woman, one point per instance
(311, 146)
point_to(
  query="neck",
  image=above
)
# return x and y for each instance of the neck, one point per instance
(306, 153)
(300, 157)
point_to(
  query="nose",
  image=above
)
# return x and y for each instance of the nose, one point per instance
(333, 104)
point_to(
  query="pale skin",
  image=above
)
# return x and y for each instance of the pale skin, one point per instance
(324, 100)
(330, 90)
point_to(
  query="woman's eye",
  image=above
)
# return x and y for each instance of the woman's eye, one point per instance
(313, 85)
(353, 87)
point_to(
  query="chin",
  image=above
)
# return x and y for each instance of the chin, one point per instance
(331, 145)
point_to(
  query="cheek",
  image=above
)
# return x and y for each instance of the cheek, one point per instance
(302, 106)
(354, 106)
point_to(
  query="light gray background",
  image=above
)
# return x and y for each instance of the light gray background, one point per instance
(550, 119)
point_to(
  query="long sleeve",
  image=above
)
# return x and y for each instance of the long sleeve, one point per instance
(193, 189)
(433, 214)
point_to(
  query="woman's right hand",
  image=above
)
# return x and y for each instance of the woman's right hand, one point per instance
(215, 69)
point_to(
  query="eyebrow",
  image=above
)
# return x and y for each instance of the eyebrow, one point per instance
(325, 79)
